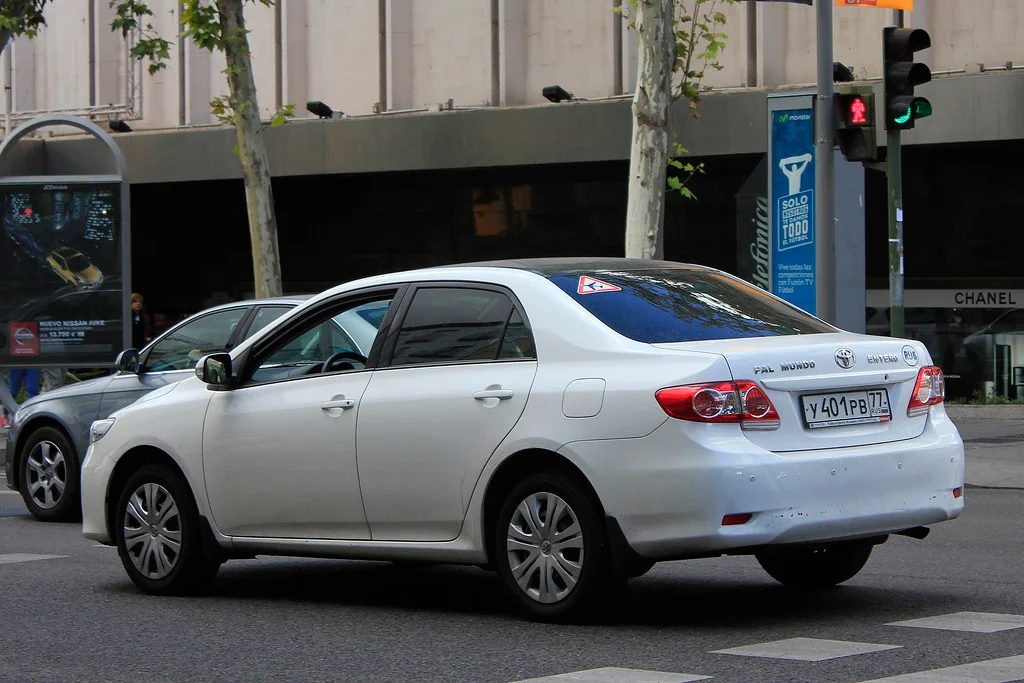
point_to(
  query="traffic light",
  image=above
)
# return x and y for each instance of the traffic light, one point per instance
(855, 123)
(902, 73)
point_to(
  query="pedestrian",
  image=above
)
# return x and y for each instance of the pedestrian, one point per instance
(18, 379)
(142, 322)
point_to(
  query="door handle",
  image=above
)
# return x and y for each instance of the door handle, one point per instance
(342, 403)
(500, 394)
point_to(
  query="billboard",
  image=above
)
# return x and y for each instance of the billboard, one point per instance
(61, 292)
(791, 180)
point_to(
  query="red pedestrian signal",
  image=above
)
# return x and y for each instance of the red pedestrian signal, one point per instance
(855, 123)
(857, 112)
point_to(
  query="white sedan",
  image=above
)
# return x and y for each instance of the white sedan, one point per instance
(567, 422)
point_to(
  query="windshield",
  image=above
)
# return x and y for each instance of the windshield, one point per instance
(683, 304)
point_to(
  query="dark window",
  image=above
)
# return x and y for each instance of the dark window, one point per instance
(518, 342)
(448, 324)
(264, 316)
(340, 334)
(687, 304)
(180, 349)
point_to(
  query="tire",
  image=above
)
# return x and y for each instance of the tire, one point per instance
(49, 476)
(552, 584)
(816, 568)
(160, 542)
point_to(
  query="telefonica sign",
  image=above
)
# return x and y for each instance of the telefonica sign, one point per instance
(951, 298)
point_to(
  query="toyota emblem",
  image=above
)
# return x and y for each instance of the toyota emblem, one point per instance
(845, 358)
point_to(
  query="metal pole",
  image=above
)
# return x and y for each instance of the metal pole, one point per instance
(382, 56)
(278, 56)
(894, 177)
(8, 89)
(495, 54)
(616, 49)
(751, 44)
(824, 164)
(894, 181)
(92, 53)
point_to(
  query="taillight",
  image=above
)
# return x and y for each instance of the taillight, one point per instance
(929, 390)
(742, 401)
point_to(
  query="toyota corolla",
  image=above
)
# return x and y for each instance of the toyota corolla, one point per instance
(566, 422)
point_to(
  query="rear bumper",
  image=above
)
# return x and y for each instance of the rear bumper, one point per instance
(670, 490)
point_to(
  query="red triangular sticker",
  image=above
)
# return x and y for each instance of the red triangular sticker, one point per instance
(589, 285)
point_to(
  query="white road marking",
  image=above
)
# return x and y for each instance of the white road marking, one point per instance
(613, 674)
(806, 649)
(974, 622)
(11, 558)
(1003, 670)
(10, 493)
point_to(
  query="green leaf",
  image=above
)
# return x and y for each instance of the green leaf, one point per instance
(685, 191)
(675, 164)
(675, 183)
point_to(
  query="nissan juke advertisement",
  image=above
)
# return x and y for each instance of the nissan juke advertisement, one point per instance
(60, 275)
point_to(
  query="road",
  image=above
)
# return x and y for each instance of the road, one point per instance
(68, 612)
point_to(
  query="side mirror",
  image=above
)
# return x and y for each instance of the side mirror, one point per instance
(215, 370)
(128, 361)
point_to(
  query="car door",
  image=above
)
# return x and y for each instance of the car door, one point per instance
(172, 356)
(456, 383)
(279, 453)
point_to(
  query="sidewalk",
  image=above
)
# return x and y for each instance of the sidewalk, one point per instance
(994, 449)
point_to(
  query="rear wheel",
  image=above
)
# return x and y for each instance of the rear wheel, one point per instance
(816, 568)
(158, 533)
(50, 476)
(551, 550)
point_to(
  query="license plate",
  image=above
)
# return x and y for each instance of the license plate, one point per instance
(846, 408)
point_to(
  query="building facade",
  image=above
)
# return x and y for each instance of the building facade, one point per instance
(448, 151)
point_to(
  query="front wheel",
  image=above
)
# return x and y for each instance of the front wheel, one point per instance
(815, 568)
(551, 550)
(158, 533)
(50, 476)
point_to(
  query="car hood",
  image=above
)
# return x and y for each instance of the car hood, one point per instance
(92, 386)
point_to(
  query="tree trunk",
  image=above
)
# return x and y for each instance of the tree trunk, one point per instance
(651, 105)
(252, 150)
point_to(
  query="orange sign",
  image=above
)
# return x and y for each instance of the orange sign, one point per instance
(907, 5)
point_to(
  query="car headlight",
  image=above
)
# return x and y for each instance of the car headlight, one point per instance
(99, 428)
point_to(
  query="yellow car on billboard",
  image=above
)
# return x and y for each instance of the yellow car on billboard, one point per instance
(74, 268)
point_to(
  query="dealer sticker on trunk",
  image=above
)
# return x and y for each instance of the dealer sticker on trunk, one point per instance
(846, 408)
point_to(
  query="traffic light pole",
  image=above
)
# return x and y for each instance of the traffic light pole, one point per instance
(894, 178)
(824, 171)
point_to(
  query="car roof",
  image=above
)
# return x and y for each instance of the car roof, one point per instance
(571, 264)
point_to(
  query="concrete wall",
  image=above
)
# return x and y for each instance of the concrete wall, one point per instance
(440, 49)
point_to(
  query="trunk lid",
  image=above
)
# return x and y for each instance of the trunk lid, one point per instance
(830, 390)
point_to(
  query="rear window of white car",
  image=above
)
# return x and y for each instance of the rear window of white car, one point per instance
(683, 304)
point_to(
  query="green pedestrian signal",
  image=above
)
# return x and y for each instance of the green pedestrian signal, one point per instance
(902, 73)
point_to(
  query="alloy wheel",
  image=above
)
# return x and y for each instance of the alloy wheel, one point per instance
(544, 544)
(152, 530)
(46, 474)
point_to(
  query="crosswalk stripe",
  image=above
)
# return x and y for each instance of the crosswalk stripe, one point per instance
(806, 649)
(613, 674)
(974, 622)
(11, 558)
(1003, 670)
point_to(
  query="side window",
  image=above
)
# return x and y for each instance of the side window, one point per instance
(264, 316)
(183, 347)
(332, 340)
(451, 324)
(518, 342)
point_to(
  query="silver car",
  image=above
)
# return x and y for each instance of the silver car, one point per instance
(50, 433)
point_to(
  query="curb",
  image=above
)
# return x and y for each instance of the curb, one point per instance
(1009, 411)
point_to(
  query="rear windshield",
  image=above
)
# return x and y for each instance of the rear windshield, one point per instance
(683, 304)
